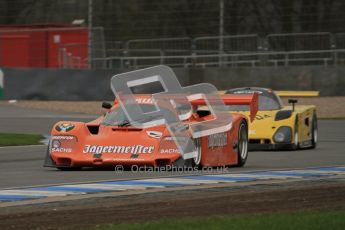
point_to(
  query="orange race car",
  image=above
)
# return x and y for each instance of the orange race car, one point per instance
(111, 140)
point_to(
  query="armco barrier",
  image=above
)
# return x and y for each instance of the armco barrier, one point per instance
(44, 84)
(74, 85)
(329, 81)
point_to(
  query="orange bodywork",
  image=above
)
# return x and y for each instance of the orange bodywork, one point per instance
(92, 144)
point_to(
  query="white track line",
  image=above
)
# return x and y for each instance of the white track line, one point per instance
(253, 176)
(38, 193)
(182, 181)
(21, 146)
(110, 187)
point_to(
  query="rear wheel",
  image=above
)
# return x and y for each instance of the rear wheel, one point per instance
(192, 162)
(197, 159)
(242, 144)
(314, 132)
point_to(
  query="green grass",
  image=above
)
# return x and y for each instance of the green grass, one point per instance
(299, 220)
(8, 139)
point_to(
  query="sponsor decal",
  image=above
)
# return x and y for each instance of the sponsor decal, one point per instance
(247, 92)
(64, 127)
(169, 151)
(154, 134)
(61, 150)
(63, 137)
(217, 140)
(134, 149)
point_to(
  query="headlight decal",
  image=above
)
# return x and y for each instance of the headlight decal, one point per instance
(283, 135)
(56, 144)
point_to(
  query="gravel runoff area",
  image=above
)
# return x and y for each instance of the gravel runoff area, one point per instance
(306, 195)
(327, 107)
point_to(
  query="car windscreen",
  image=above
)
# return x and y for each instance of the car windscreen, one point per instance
(267, 101)
(117, 116)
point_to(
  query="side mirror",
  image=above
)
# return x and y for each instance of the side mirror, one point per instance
(293, 102)
(106, 106)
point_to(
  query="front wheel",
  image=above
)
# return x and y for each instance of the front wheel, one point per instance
(242, 144)
(69, 168)
(295, 143)
(197, 159)
(314, 132)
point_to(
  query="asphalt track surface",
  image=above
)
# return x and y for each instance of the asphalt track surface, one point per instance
(22, 166)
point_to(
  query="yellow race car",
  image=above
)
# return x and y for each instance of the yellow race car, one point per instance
(276, 126)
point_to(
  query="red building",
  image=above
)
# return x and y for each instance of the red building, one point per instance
(43, 46)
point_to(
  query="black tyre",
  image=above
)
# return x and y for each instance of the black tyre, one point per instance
(196, 161)
(189, 163)
(314, 131)
(69, 168)
(242, 144)
(295, 142)
(48, 161)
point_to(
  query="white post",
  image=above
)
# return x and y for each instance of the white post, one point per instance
(221, 30)
(90, 35)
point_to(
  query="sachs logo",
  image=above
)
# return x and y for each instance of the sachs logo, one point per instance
(64, 127)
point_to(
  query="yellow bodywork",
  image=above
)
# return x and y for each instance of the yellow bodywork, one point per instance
(264, 126)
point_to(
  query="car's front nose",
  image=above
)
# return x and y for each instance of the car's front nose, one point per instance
(111, 146)
(265, 132)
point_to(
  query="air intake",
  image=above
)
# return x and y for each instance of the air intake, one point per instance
(93, 129)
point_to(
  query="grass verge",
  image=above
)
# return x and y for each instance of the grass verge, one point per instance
(9, 139)
(299, 220)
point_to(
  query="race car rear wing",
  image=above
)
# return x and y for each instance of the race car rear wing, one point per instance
(282, 93)
(291, 93)
(252, 100)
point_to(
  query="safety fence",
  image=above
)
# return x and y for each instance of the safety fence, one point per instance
(233, 43)
(321, 48)
(280, 58)
(227, 44)
(299, 41)
(73, 48)
(69, 54)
